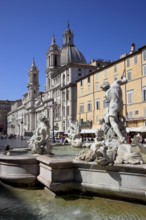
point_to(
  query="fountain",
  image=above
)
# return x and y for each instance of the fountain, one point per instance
(110, 168)
(20, 166)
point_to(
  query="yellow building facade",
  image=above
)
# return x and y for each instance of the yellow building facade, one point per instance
(91, 105)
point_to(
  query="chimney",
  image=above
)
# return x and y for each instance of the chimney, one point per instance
(132, 48)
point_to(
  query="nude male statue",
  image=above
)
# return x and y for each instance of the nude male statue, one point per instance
(113, 98)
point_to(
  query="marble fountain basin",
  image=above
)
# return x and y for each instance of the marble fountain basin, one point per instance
(18, 166)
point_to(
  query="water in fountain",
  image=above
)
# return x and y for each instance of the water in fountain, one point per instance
(18, 146)
(19, 203)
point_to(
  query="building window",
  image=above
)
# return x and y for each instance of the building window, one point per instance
(49, 61)
(97, 104)
(135, 59)
(55, 60)
(128, 62)
(144, 70)
(81, 83)
(96, 76)
(63, 111)
(55, 113)
(144, 94)
(58, 112)
(144, 55)
(79, 72)
(129, 97)
(68, 77)
(96, 86)
(67, 110)
(63, 80)
(67, 95)
(82, 108)
(89, 107)
(81, 92)
(129, 75)
(63, 96)
(88, 89)
(88, 79)
(115, 68)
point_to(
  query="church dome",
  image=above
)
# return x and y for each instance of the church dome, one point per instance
(69, 53)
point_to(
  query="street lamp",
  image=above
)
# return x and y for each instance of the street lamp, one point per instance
(21, 129)
(53, 107)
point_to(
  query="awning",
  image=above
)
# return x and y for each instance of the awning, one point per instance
(136, 129)
(88, 131)
(143, 129)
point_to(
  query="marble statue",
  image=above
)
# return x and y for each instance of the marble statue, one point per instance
(73, 135)
(113, 115)
(110, 144)
(39, 142)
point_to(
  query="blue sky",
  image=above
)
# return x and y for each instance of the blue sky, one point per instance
(102, 29)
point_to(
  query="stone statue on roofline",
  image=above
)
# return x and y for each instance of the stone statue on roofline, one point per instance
(39, 142)
(111, 139)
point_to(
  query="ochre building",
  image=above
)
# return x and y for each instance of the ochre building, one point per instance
(90, 97)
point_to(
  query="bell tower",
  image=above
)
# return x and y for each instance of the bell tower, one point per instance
(33, 81)
(53, 61)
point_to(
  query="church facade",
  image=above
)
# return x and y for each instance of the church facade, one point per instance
(64, 67)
